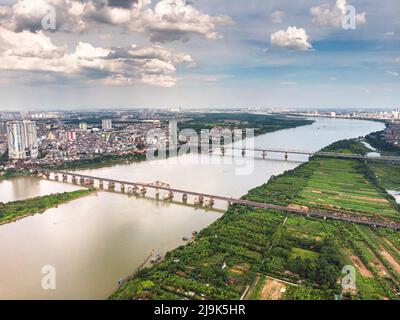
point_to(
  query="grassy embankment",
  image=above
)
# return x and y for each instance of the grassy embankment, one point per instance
(12, 211)
(283, 256)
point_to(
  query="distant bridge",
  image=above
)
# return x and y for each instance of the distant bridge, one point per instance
(286, 152)
(207, 200)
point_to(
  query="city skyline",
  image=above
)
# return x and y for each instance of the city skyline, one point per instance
(204, 54)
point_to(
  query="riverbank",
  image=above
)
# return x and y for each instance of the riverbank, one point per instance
(261, 123)
(378, 141)
(16, 210)
(99, 162)
(228, 256)
(387, 173)
(118, 232)
(8, 174)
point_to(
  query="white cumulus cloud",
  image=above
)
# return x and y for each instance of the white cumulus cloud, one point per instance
(167, 20)
(327, 15)
(293, 38)
(34, 52)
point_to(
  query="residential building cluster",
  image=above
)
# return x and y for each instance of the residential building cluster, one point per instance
(393, 116)
(392, 135)
(56, 140)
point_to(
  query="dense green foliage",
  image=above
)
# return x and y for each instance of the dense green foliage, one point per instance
(261, 123)
(245, 244)
(377, 140)
(99, 161)
(226, 256)
(347, 146)
(11, 211)
(387, 174)
(11, 173)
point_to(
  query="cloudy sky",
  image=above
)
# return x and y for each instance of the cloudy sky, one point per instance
(74, 54)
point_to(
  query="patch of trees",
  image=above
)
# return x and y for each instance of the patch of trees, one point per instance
(347, 146)
(99, 161)
(260, 123)
(323, 271)
(377, 140)
(12, 210)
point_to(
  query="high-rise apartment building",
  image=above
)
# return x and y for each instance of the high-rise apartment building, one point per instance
(106, 124)
(22, 140)
(70, 136)
(173, 133)
(3, 128)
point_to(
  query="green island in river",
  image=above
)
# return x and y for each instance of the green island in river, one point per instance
(264, 254)
(15, 210)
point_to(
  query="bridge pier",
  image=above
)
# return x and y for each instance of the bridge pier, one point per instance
(111, 186)
(199, 201)
(184, 198)
(264, 154)
(243, 152)
(143, 191)
(222, 151)
(169, 196)
(81, 181)
(74, 181)
(136, 190)
(101, 184)
(122, 188)
(286, 156)
(209, 203)
(65, 178)
(56, 178)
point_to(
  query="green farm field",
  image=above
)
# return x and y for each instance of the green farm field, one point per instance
(265, 254)
(343, 185)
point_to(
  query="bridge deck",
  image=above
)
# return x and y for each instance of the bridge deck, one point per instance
(318, 153)
(211, 147)
(313, 213)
